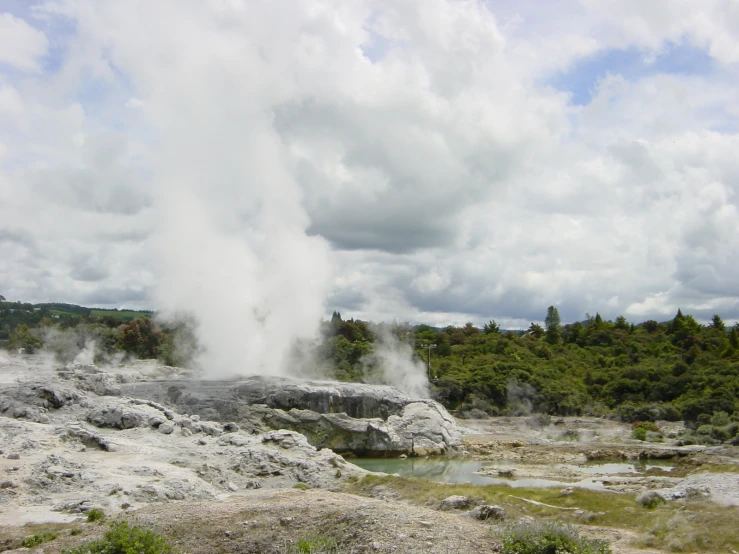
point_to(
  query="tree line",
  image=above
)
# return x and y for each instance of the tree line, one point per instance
(675, 370)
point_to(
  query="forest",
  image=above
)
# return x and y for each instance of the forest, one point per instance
(673, 370)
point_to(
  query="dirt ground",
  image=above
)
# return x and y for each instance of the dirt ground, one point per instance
(274, 521)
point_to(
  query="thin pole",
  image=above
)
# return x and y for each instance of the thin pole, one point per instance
(429, 346)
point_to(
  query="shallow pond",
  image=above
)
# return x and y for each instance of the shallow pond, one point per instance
(459, 470)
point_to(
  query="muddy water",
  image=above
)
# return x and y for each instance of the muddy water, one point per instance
(458, 470)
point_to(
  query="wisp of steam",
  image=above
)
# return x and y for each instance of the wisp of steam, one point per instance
(396, 366)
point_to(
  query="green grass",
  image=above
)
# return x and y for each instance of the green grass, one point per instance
(712, 529)
(315, 544)
(123, 315)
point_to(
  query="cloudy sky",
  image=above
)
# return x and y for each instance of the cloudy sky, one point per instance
(435, 161)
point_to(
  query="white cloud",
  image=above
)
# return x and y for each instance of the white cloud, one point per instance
(21, 45)
(135, 103)
(402, 159)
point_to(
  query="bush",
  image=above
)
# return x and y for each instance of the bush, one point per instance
(96, 514)
(549, 537)
(650, 499)
(640, 430)
(124, 539)
(722, 433)
(639, 433)
(720, 419)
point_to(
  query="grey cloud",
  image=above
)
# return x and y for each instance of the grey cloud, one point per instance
(113, 297)
(25, 240)
(89, 273)
(403, 185)
(346, 300)
(106, 185)
(380, 227)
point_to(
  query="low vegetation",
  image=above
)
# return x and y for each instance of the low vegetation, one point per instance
(549, 537)
(674, 370)
(698, 525)
(643, 430)
(314, 544)
(37, 539)
(123, 538)
(96, 514)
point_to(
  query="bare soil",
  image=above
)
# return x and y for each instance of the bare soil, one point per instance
(273, 521)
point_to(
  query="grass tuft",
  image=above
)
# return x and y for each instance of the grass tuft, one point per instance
(549, 537)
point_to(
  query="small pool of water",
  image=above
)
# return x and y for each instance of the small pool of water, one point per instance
(459, 470)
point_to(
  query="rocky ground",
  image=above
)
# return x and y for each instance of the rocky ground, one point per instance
(78, 438)
(560, 449)
(65, 449)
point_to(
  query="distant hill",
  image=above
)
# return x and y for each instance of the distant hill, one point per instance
(13, 314)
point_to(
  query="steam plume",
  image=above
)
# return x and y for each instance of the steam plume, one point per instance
(232, 244)
(394, 365)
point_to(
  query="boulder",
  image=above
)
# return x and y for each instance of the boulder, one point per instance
(32, 401)
(166, 428)
(485, 512)
(125, 414)
(455, 502)
(421, 429)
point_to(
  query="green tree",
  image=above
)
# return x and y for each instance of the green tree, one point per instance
(491, 328)
(717, 323)
(621, 323)
(470, 330)
(24, 338)
(553, 325)
(536, 330)
(139, 337)
(734, 338)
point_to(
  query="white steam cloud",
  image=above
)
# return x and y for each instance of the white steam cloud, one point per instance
(232, 245)
(234, 251)
(394, 365)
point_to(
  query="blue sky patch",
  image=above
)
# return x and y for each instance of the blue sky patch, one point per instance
(632, 64)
